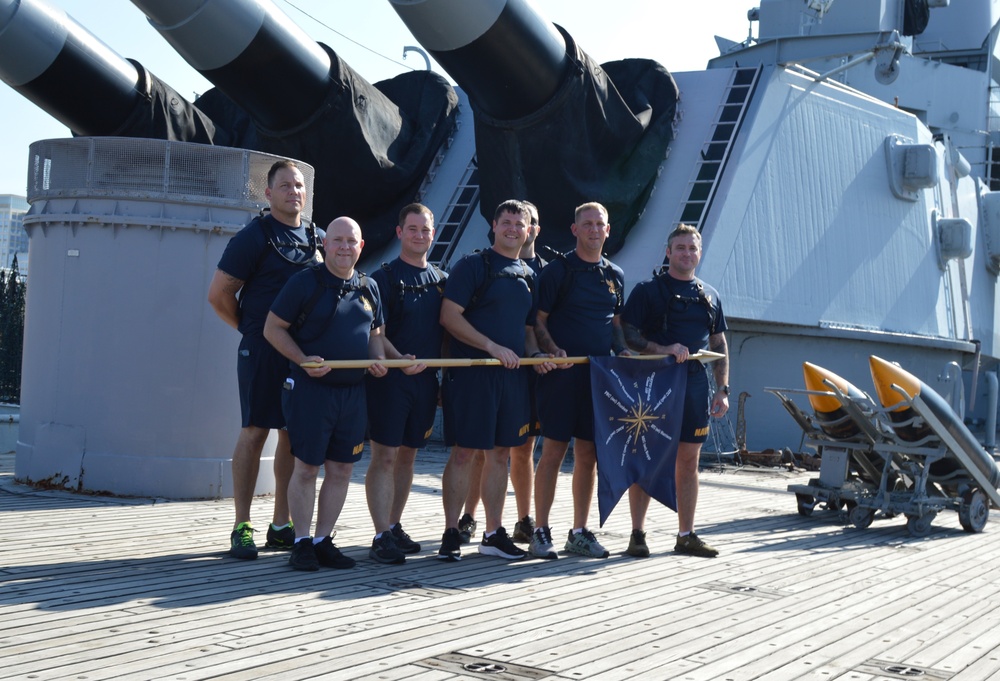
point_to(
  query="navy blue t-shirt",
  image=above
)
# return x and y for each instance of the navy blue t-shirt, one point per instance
(262, 282)
(537, 264)
(411, 298)
(580, 323)
(504, 309)
(340, 333)
(688, 320)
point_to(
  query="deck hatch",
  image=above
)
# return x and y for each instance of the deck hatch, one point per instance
(744, 590)
(483, 667)
(901, 670)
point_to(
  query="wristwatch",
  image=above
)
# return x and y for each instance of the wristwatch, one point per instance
(724, 390)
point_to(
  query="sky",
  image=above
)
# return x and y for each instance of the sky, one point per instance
(370, 37)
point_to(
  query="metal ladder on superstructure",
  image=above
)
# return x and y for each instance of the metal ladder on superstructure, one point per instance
(717, 149)
(461, 208)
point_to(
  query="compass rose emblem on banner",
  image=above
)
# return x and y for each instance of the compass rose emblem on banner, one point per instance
(638, 405)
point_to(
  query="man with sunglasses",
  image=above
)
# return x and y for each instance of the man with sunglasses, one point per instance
(675, 313)
(256, 264)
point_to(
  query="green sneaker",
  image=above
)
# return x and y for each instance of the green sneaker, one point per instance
(692, 545)
(637, 545)
(283, 539)
(241, 542)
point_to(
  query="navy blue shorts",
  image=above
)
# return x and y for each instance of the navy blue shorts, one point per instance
(565, 405)
(261, 371)
(401, 408)
(325, 422)
(694, 427)
(486, 407)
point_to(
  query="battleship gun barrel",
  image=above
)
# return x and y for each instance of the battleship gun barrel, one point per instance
(552, 125)
(507, 58)
(63, 68)
(60, 66)
(246, 47)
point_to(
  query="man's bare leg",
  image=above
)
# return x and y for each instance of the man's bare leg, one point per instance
(474, 493)
(522, 477)
(332, 494)
(379, 485)
(245, 466)
(547, 478)
(686, 476)
(638, 504)
(284, 464)
(494, 486)
(584, 480)
(402, 482)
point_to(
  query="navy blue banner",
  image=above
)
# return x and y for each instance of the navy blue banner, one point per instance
(638, 406)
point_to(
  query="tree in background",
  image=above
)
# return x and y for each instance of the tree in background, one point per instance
(12, 294)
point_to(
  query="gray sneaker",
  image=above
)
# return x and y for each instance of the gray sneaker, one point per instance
(541, 544)
(585, 544)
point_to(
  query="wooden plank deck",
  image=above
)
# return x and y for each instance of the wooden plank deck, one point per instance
(104, 588)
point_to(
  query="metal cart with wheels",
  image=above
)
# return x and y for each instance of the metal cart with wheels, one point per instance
(875, 470)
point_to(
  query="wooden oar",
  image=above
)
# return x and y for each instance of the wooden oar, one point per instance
(704, 356)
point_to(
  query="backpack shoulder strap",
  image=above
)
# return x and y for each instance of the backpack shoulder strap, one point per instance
(487, 280)
(313, 299)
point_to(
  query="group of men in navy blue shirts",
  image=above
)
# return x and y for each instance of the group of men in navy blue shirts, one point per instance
(295, 307)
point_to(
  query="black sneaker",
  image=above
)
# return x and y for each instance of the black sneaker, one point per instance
(384, 550)
(283, 539)
(241, 542)
(501, 546)
(466, 528)
(451, 545)
(330, 556)
(304, 556)
(523, 529)
(403, 541)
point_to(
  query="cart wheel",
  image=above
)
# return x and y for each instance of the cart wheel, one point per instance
(920, 526)
(861, 518)
(806, 504)
(974, 511)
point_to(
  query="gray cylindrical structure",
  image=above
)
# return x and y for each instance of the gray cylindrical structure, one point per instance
(129, 377)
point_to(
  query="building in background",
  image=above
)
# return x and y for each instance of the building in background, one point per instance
(13, 238)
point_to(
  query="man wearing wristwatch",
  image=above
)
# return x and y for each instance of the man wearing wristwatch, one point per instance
(675, 313)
